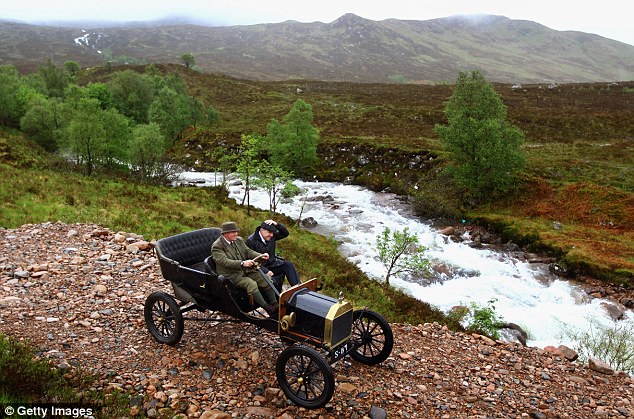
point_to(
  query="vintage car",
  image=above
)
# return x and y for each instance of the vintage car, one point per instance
(320, 330)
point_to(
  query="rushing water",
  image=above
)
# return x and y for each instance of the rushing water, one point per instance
(526, 293)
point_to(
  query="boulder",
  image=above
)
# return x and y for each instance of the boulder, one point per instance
(567, 353)
(377, 413)
(448, 231)
(615, 311)
(309, 222)
(600, 366)
(142, 245)
(516, 331)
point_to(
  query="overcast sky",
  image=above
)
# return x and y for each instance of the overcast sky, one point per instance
(609, 18)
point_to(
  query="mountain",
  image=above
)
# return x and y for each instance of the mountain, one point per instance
(350, 48)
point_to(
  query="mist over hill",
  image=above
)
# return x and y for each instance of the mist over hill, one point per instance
(350, 48)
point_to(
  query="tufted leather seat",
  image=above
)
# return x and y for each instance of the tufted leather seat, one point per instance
(190, 248)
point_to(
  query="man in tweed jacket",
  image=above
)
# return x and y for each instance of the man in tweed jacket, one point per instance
(233, 260)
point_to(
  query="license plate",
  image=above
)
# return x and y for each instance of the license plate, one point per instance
(340, 351)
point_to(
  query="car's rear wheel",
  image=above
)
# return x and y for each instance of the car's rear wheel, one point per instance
(373, 337)
(163, 318)
(305, 376)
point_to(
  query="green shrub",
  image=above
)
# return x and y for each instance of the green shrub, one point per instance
(611, 344)
(478, 319)
(25, 378)
(438, 197)
(484, 319)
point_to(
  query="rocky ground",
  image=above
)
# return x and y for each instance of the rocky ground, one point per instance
(77, 293)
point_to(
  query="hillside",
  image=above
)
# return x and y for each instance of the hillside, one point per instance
(76, 292)
(350, 48)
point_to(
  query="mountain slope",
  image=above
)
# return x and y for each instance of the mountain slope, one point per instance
(350, 48)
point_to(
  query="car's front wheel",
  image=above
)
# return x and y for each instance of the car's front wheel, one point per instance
(305, 376)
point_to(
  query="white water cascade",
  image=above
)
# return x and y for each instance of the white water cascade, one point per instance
(526, 293)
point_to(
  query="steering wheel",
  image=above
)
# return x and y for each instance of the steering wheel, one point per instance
(258, 261)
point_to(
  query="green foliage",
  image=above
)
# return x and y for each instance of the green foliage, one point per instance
(41, 122)
(484, 319)
(213, 116)
(147, 151)
(248, 162)
(196, 109)
(484, 150)
(293, 143)
(72, 68)
(172, 81)
(400, 252)
(85, 134)
(189, 60)
(55, 79)
(290, 190)
(132, 94)
(273, 180)
(9, 106)
(170, 111)
(73, 93)
(611, 344)
(92, 124)
(96, 135)
(116, 143)
(101, 92)
(224, 160)
(24, 378)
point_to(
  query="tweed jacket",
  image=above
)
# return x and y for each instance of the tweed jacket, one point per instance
(228, 258)
(254, 241)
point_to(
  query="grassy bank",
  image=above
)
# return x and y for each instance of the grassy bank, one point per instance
(588, 226)
(27, 379)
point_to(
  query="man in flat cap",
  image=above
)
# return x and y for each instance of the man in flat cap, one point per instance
(263, 241)
(233, 260)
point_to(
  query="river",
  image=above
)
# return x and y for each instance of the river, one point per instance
(525, 293)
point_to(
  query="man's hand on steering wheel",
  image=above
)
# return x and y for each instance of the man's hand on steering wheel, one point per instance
(263, 256)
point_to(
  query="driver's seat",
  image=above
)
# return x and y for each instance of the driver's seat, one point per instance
(239, 295)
